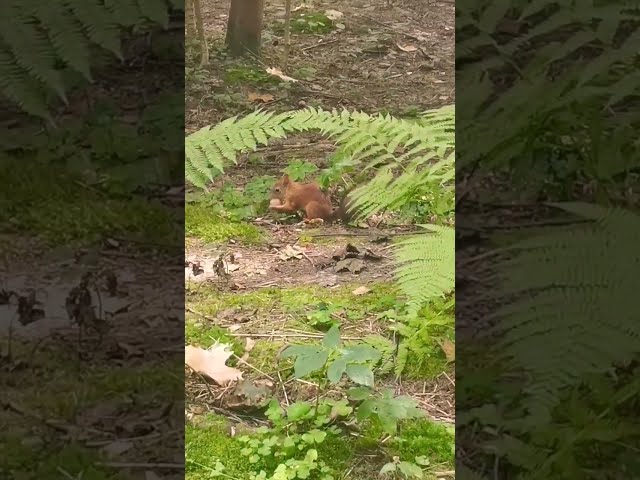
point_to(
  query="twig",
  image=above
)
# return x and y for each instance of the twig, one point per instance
(177, 466)
(254, 368)
(286, 335)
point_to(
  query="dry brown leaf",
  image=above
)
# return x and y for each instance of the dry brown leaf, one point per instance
(334, 14)
(361, 290)
(212, 363)
(278, 73)
(407, 48)
(257, 97)
(449, 349)
(290, 252)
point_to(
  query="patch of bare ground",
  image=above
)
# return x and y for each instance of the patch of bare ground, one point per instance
(126, 412)
(397, 58)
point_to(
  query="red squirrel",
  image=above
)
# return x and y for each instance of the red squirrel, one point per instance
(288, 196)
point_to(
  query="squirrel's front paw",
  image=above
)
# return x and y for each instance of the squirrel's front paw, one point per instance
(314, 222)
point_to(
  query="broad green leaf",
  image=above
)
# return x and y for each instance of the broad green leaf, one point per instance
(336, 370)
(388, 468)
(359, 393)
(298, 410)
(332, 337)
(362, 353)
(365, 410)
(360, 374)
(307, 364)
(410, 469)
(297, 350)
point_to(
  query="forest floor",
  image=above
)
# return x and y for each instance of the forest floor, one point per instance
(284, 283)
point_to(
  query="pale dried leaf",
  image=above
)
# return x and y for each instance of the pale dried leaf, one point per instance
(257, 97)
(290, 252)
(212, 363)
(407, 48)
(361, 290)
(278, 73)
(334, 14)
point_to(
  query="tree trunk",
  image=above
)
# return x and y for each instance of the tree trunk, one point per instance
(204, 59)
(190, 18)
(244, 28)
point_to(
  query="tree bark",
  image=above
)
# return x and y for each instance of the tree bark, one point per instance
(190, 17)
(204, 58)
(244, 28)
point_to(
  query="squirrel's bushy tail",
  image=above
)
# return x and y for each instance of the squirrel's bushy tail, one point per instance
(344, 212)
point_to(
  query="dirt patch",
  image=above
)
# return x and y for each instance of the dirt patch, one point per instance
(134, 399)
(283, 261)
(398, 59)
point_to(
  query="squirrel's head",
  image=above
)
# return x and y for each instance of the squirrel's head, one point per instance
(280, 187)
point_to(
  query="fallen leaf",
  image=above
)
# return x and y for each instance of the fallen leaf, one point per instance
(449, 349)
(249, 344)
(212, 363)
(250, 394)
(407, 48)
(353, 265)
(340, 26)
(289, 252)
(333, 14)
(361, 290)
(256, 97)
(278, 73)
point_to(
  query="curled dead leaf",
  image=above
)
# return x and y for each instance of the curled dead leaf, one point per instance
(361, 290)
(449, 349)
(212, 363)
(278, 73)
(257, 97)
(407, 48)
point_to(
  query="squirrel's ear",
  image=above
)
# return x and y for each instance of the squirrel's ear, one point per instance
(285, 179)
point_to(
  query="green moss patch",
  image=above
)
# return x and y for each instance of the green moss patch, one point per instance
(202, 223)
(56, 207)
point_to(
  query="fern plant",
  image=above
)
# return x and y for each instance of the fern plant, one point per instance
(584, 69)
(575, 288)
(405, 156)
(43, 44)
(408, 156)
(426, 265)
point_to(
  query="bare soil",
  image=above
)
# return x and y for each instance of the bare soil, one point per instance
(392, 58)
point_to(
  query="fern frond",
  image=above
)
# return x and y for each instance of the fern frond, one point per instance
(426, 265)
(577, 307)
(39, 36)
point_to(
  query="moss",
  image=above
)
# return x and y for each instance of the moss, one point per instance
(436, 441)
(62, 388)
(33, 463)
(264, 354)
(210, 301)
(251, 75)
(205, 335)
(53, 205)
(209, 442)
(202, 223)
(307, 23)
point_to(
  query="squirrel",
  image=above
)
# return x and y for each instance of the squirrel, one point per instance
(288, 196)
